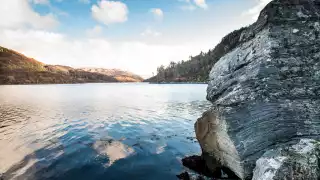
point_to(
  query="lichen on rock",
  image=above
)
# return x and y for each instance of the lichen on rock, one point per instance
(299, 161)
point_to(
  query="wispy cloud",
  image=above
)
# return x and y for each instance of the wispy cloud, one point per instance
(158, 13)
(192, 5)
(95, 31)
(150, 32)
(189, 7)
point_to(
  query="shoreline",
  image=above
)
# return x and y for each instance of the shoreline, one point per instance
(69, 83)
(173, 83)
(177, 82)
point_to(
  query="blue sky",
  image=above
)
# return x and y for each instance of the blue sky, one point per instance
(134, 35)
(75, 17)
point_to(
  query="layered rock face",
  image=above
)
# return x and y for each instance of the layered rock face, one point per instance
(266, 93)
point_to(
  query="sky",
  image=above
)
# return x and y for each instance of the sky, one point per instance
(132, 35)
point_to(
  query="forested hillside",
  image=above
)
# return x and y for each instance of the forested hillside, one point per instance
(197, 68)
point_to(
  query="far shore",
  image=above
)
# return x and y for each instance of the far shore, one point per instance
(70, 83)
(104, 83)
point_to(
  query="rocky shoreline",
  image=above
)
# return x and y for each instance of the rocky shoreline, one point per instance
(264, 123)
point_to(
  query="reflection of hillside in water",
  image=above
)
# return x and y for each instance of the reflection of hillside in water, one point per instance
(36, 166)
(97, 160)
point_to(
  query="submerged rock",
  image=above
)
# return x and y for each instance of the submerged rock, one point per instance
(265, 92)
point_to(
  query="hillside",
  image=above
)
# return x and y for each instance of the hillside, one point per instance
(116, 73)
(15, 68)
(197, 68)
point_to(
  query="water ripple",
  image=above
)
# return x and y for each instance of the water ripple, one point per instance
(97, 131)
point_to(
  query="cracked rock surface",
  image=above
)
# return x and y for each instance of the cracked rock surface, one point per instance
(298, 161)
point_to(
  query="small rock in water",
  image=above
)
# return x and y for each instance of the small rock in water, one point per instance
(197, 164)
(184, 176)
(192, 176)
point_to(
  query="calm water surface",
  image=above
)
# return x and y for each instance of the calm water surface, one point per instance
(98, 131)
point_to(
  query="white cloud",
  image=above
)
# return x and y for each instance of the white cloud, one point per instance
(150, 32)
(136, 56)
(108, 12)
(201, 3)
(255, 11)
(158, 13)
(84, 1)
(95, 31)
(19, 13)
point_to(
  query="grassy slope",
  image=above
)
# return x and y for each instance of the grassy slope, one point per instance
(16, 68)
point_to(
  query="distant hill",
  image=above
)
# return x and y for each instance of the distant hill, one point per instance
(116, 73)
(197, 68)
(15, 68)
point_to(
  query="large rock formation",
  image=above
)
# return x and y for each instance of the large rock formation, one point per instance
(266, 93)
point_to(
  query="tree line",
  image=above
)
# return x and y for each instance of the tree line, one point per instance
(197, 68)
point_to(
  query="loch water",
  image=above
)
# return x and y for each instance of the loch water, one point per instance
(98, 131)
